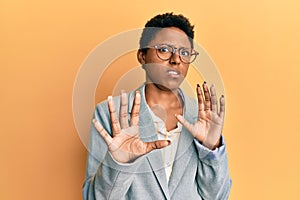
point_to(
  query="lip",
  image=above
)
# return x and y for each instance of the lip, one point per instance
(173, 73)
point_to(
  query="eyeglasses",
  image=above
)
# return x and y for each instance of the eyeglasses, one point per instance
(165, 52)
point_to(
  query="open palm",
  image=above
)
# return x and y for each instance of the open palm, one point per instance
(125, 144)
(208, 128)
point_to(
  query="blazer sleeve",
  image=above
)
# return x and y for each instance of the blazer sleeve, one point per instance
(212, 176)
(105, 177)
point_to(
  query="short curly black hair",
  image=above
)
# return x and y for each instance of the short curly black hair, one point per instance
(163, 21)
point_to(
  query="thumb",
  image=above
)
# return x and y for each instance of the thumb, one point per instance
(185, 123)
(158, 144)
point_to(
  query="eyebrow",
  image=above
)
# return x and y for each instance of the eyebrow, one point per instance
(182, 47)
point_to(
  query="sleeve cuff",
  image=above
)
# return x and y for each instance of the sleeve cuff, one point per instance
(205, 153)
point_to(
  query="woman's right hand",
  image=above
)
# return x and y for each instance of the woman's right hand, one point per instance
(125, 144)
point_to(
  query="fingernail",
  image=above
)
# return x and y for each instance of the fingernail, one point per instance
(222, 95)
(204, 82)
(94, 120)
(198, 85)
(109, 98)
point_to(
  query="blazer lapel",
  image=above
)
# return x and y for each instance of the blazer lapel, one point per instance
(158, 168)
(184, 150)
(147, 134)
(146, 125)
(182, 159)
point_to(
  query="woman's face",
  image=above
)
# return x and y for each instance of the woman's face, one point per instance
(166, 74)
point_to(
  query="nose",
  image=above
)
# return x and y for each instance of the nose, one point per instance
(175, 58)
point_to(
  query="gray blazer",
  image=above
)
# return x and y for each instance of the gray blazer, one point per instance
(197, 173)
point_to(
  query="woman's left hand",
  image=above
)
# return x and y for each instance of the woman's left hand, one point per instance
(208, 128)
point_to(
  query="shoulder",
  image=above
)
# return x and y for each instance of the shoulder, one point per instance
(191, 101)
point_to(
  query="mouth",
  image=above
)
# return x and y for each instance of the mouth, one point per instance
(173, 73)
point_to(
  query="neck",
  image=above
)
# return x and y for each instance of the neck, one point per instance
(158, 95)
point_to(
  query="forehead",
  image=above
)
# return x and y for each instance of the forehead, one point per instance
(173, 36)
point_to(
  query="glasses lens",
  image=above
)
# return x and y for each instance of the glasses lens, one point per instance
(164, 52)
(185, 55)
(188, 56)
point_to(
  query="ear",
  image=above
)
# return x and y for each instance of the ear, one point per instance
(141, 56)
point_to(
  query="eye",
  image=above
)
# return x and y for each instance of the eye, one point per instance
(163, 49)
(185, 52)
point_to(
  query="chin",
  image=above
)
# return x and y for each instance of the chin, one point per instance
(168, 86)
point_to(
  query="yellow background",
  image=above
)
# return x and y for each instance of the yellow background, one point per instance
(255, 45)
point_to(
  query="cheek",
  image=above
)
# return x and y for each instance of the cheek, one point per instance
(154, 70)
(152, 59)
(185, 70)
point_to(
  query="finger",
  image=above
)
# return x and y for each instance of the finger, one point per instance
(214, 104)
(134, 118)
(185, 123)
(222, 107)
(156, 145)
(116, 129)
(123, 110)
(206, 96)
(200, 98)
(107, 138)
